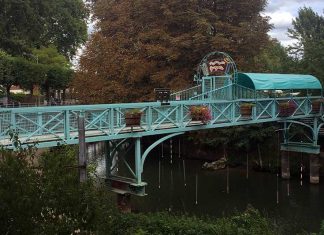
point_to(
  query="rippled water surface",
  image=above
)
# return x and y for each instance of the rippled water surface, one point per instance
(182, 186)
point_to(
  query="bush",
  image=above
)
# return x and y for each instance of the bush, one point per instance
(250, 222)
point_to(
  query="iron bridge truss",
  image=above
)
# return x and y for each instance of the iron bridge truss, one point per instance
(58, 125)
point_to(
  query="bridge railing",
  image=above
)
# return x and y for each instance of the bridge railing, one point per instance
(222, 93)
(49, 125)
(186, 94)
(230, 92)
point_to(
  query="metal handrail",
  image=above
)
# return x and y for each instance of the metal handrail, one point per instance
(186, 94)
(209, 94)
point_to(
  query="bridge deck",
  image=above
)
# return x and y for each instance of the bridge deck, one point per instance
(49, 126)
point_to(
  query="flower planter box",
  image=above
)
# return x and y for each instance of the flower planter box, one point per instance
(200, 113)
(133, 119)
(286, 109)
(316, 105)
(246, 110)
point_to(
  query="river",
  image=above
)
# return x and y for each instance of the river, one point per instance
(183, 186)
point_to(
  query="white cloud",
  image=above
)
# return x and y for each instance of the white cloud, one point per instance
(283, 12)
(280, 19)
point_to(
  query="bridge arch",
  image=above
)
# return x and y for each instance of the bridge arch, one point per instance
(156, 143)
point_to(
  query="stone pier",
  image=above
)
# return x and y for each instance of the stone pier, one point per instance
(314, 168)
(285, 168)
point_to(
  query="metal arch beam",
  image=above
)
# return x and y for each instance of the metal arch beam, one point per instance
(117, 146)
(156, 143)
(300, 123)
(319, 127)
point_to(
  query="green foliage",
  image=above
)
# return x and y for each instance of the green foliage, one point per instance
(248, 105)
(235, 138)
(43, 196)
(58, 72)
(274, 59)
(19, 190)
(321, 229)
(308, 30)
(250, 222)
(7, 71)
(28, 24)
(52, 70)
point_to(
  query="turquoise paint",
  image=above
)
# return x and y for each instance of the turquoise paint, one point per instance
(156, 143)
(266, 81)
(225, 114)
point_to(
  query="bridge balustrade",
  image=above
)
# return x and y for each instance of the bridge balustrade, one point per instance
(49, 125)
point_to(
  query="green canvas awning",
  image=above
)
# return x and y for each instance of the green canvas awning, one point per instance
(268, 81)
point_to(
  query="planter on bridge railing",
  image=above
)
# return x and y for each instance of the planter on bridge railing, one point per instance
(133, 117)
(200, 113)
(286, 109)
(246, 110)
(316, 105)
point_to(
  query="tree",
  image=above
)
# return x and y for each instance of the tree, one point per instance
(274, 58)
(308, 30)
(7, 72)
(140, 45)
(27, 24)
(58, 72)
(28, 73)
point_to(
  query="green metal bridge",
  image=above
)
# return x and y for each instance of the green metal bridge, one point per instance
(220, 88)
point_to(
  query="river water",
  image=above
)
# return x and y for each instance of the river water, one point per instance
(183, 186)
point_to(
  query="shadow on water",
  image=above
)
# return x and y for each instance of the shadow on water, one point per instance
(182, 186)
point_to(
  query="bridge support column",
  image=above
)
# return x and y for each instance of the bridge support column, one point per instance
(314, 168)
(285, 168)
(138, 160)
(124, 203)
(108, 158)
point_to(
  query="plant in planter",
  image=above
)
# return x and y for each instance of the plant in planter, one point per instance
(316, 105)
(133, 117)
(200, 113)
(246, 109)
(286, 109)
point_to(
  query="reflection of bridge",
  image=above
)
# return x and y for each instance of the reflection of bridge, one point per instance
(223, 92)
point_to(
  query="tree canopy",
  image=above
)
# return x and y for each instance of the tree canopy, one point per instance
(52, 70)
(140, 45)
(274, 58)
(57, 68)
(308, 30)
(26, 24)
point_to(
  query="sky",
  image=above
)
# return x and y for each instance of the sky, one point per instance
(282, 13)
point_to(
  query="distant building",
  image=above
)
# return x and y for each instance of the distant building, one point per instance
(17, 89)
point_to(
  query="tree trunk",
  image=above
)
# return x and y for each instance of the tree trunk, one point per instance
(48, 95)
(32, 90)
(63, 95)
(8, 92)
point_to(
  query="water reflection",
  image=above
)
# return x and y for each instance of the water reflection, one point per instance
(181, 185)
